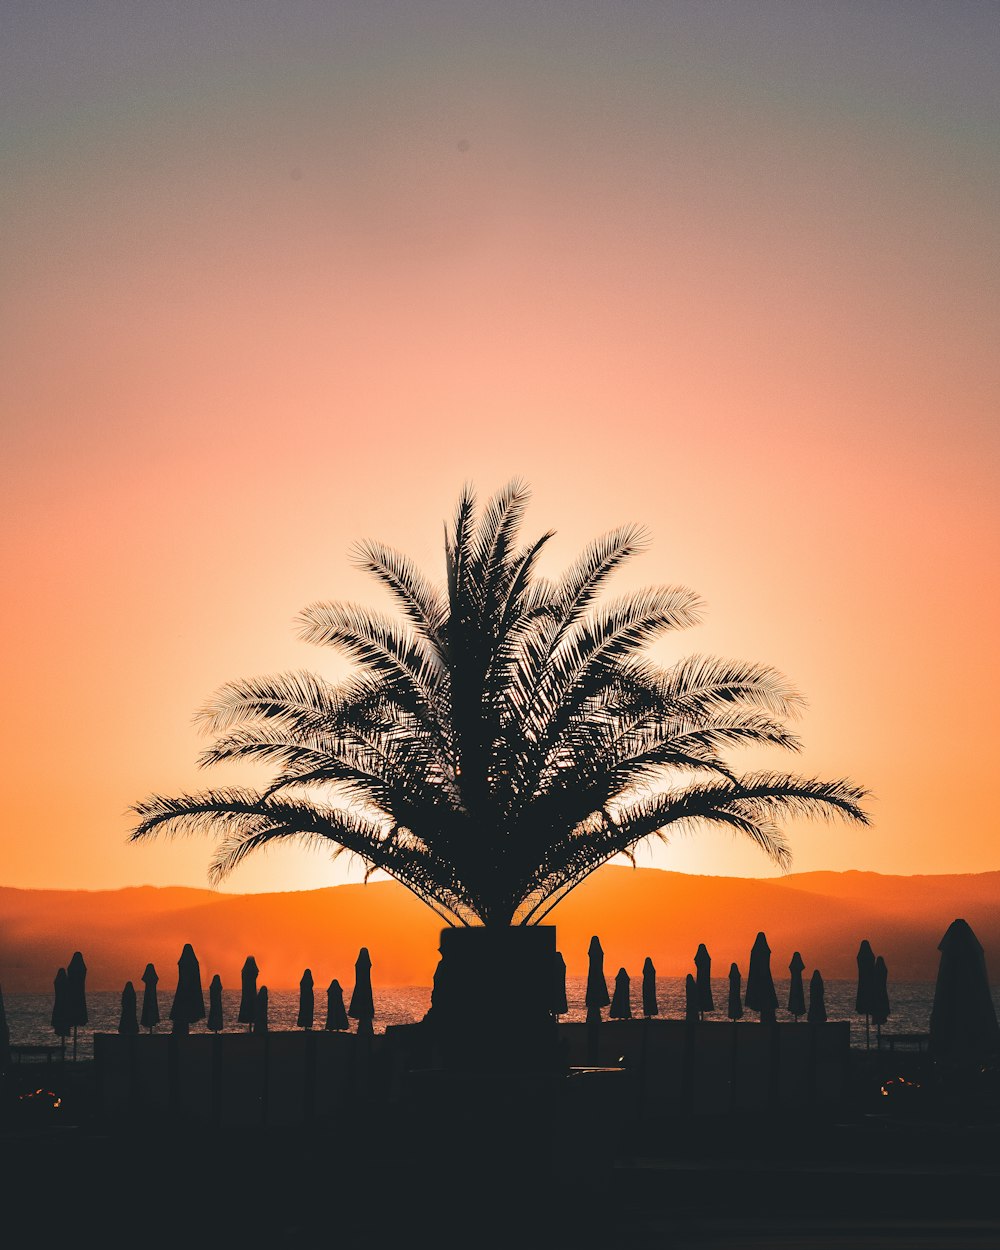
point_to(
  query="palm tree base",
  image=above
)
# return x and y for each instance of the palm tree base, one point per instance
(491, 1007)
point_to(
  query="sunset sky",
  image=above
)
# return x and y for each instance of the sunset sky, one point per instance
(277, 277)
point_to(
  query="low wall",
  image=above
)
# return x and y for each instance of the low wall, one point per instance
(310, 1076)
(228, 1078)
(714, 1068)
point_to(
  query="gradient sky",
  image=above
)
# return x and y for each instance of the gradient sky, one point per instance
(280, 276)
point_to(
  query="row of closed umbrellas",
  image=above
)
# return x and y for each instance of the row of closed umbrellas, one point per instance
(188, 1006)
(963, 1019)
(872, 999)
(963, 1022)
(69, 1010)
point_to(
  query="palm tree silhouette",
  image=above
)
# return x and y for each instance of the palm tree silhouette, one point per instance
(507, 739)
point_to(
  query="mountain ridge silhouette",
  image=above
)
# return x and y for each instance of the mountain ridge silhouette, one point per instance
(636, 911)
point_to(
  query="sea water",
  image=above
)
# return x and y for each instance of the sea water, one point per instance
(29, 1015)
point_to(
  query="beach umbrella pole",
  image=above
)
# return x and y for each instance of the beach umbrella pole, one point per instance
(593, 1036)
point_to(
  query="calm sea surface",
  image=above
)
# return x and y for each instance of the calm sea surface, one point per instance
(29, 1015)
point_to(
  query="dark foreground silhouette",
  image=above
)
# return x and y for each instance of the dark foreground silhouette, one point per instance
(516, 1160)
(680, 1133)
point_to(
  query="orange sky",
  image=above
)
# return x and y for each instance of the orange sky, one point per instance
(728, 271)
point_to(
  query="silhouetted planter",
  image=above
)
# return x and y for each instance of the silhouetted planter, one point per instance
(491, 1007)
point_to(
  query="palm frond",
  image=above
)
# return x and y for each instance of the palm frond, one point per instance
(459, 555)
(300, 700)
(706, 685)
(422, 604)
(267, 746)
(579, 587)
(409, 673)
(497, 530)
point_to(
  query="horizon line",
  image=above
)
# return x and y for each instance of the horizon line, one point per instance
(386, 880)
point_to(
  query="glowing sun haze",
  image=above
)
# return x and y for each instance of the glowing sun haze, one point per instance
(277, 278)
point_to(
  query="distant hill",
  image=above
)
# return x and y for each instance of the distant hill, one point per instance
(636, 912)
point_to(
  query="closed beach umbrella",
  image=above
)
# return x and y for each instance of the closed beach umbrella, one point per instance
(817, 1000)
(260, 1011)
(760, 995)
(150, 1017)
(621, 1007)
(60, 1013)
(650, 1007)
(880, 998)
(734, 1008)
(128, 1023)
(307, 1001)
(215, 1005)
(248, 992)
(597, 988)
(865, 997)
(362, 1006)
(76, 990)
(703, 967)
(796, 991)
(336, 1015)
(690, 999)
(963, 1019)
(76, 994)
(189, 998)
(559, 1004)
(866, 979)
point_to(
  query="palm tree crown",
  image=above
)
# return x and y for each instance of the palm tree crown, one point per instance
(507, 739)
